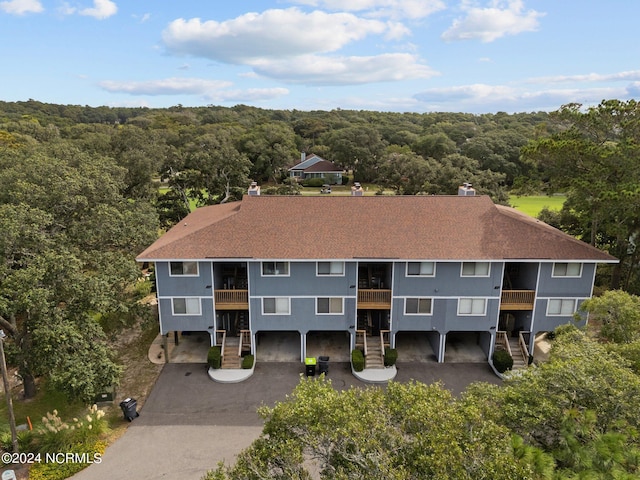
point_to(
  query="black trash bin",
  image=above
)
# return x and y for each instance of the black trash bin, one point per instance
(129, 408)
(310, 366)
(323, 365)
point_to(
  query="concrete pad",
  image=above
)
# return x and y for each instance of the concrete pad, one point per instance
(335, 345)
(278, 347)
(462, 347)
(414, 347)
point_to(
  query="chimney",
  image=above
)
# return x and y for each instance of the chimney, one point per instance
(465, 190)
(303, 157)
(254, 189)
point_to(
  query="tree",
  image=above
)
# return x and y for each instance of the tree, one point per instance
(594, 157)
(214, 170)
(619, 315)
(359, 148)
(580, 406)
(270, 147)
(405, 431)
(403, 171)
(67, 244)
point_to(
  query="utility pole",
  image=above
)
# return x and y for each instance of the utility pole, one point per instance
(7, 394)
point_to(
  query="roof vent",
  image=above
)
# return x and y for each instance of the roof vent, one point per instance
(465, 190)
(254, 189)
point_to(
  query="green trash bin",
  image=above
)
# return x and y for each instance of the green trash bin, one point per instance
(310, 366)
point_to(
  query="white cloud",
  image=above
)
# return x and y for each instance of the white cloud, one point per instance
(21, 7)
(412, 9)
(488, 24)
(483, 98)
(167, 86)
(631, 75)
(270, 34)
(319, 70)
(101, 9)
(210, 90)
(248, 95)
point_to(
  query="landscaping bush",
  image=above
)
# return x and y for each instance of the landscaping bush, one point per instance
(390, 357)
(247, 362)
(214, 357)
(502, 361)
(357, 360)
(314, 182)
(84, 454)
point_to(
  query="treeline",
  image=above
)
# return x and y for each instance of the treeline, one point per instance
(216, 150)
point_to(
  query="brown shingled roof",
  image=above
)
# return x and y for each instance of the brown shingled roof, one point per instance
(402, 227)
(323, 166)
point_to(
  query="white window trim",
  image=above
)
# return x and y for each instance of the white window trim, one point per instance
(419, 314)
(197, 274)
(484, 313)
(430, 275)
(554, 275)
(574, 308)
(288, 312)
(341, 312)
(288, 274)
(475, 275)
(341, 274)
(173, 308)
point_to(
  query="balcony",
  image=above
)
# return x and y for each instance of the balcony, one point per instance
(517, 299)
(232, 299)
(374, 299)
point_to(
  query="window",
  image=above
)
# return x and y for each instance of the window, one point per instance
(567, 269)
(472, 306)
(330, 268)
(475, 269)
(276, 306)
(561, 307)
(183, 268)
(186, 306)
(331, 305)
(423, 269)
(275, 268)
(417, 306)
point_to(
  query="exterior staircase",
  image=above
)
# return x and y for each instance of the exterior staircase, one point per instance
(231, 358)
(374, 358)
(518, 358)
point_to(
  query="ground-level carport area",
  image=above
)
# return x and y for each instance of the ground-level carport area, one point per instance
(466, 347)
(416, 346)
(287, 346)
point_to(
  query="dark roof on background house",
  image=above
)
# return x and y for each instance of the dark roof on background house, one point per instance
(315, 163)
(376, 227)
(323, 166)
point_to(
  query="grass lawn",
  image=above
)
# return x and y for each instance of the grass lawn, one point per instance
(532, 205)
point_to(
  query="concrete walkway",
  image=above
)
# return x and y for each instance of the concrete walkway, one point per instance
(190, 423)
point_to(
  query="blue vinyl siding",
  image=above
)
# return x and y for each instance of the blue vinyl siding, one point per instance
(184, 286)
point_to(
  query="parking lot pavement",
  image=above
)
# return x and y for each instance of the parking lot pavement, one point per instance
(189, 423)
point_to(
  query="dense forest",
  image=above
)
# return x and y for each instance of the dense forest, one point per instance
(81, 197)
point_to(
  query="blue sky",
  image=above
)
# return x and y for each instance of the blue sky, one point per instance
(476, 56)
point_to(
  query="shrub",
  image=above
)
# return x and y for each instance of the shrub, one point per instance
(25, 441)
(214, 357)
(55, 435)
(357, 360)
(390, 357)
(84, 454)
(247, 362)
(502, 360)
(314, 182)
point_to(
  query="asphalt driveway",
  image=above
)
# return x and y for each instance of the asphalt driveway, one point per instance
(190, 423)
